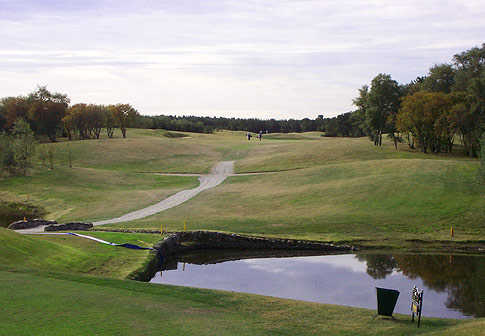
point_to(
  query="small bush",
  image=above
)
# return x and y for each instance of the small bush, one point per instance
(482, 158)
(13, 211)
(174, 135)
(17, 149)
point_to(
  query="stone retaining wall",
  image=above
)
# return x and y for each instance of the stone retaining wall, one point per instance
(29, 224)
(69, 227)
(194, 240)
(180, 242)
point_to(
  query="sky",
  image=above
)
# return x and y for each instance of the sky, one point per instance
(252, 59)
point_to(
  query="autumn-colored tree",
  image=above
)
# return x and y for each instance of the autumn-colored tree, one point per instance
(46, 111)
(123, 114)
(12, 109)
(68, 122)
(79, 121)
(428, 117)
(110, 122)
(95, 119)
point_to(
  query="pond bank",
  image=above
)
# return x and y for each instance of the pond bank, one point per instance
(181, 242)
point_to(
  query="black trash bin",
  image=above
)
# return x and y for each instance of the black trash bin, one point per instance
(386, 301)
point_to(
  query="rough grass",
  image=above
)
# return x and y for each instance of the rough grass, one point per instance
(82, 305)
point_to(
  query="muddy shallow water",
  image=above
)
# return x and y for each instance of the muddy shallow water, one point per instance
(454, 285)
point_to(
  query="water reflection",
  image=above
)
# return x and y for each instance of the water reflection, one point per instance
(454, 285)
(461, 277)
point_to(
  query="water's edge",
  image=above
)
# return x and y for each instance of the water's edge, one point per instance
(182, 242)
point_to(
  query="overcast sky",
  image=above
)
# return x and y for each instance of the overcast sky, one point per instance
(233, 58)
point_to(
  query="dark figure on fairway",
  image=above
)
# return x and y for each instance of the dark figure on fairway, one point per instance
(249, 136)
(260, 135)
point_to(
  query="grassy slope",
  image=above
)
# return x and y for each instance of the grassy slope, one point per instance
(110, 176)
(73, 254)
(326, 188)
(105, 181)
(329, 198)
(87, 306)
(333, 189)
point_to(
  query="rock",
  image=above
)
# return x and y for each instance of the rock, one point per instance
(29, 224)
(69, 227)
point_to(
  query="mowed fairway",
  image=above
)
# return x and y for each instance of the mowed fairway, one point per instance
(315, 187)
(109, 176)
(338, 189)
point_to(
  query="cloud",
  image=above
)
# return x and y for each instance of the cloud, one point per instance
(280, 58)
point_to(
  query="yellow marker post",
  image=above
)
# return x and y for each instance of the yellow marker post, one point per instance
(452, 233)
(161, 228)
(185, 225)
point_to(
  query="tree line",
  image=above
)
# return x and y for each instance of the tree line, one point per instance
(211, 124)
(428, 113)
(50, 115)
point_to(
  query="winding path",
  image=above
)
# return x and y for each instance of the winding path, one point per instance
(217, 175)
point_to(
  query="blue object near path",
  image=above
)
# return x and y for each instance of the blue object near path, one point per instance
(127, 245)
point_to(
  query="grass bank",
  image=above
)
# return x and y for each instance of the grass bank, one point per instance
(73, 254)
(82, 305)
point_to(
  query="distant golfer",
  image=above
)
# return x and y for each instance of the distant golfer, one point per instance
(260, 135)
(249, 136)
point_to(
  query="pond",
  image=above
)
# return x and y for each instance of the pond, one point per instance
(454, 285)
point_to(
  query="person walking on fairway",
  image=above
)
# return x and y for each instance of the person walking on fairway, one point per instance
(260, 135)
(249, 136)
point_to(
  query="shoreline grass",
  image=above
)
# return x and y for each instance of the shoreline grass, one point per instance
(83, 305)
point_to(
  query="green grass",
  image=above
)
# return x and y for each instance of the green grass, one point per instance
(82, 305)
(88, 194)
(339, 189)
(323, 188)
(74, 254)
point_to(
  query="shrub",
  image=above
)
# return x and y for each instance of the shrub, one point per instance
(13, 211)
(17, 149)
(482, 157)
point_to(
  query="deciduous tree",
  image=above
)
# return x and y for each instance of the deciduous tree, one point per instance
(383, 100)
(46, 111)
(123, 114)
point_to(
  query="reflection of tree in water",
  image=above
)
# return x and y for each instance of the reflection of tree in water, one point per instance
(378, 265)
(462, 277)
